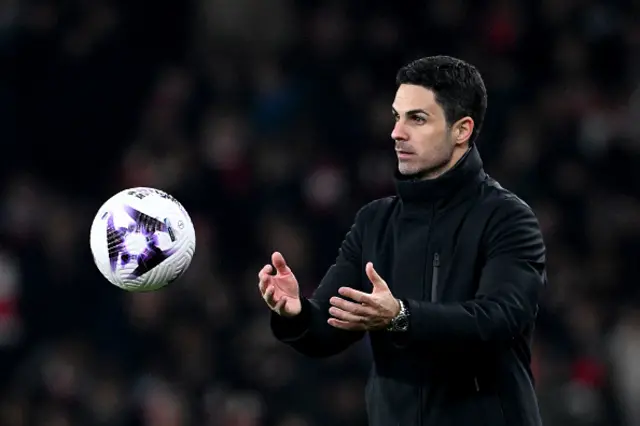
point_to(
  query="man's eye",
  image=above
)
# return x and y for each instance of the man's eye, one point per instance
(419, 120)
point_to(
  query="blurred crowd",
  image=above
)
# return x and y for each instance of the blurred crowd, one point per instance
(270, 121)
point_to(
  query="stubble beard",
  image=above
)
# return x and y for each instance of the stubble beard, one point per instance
(435, 170)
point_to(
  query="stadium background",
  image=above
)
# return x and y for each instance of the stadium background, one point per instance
(270, 121)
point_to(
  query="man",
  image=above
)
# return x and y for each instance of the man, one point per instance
(445, 276)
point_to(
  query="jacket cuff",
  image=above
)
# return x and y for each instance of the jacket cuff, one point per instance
(289, 329)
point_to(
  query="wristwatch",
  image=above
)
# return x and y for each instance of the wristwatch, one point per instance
(401, 321)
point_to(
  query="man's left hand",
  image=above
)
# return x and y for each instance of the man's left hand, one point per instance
(365, 311)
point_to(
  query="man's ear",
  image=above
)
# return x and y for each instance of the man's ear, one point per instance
(462, 130)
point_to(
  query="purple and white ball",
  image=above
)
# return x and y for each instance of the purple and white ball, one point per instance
(142, 239)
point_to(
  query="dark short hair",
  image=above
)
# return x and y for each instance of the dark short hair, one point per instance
(457, 85)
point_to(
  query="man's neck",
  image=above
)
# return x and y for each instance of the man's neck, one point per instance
(457, 154)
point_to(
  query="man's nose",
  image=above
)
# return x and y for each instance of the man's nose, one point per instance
(399, 133)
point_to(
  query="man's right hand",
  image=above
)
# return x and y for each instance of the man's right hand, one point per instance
(280, 291)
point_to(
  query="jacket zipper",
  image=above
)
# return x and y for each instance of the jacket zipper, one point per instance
(434, 277)
(434, 296)
(434, 285)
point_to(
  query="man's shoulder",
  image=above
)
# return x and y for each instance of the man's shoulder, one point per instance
(508, 216)
(499, 201)
(375, 213)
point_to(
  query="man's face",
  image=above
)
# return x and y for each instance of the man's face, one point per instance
(425, 145)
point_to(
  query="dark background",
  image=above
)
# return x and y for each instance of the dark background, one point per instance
(270, 121)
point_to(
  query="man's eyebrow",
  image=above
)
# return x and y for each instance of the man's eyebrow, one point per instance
(412, 111)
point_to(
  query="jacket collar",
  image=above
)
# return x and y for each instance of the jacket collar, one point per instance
(466, 173)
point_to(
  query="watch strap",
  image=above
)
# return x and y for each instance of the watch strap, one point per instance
(401, 321)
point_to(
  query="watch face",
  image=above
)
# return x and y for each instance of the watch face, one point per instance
(401, 324)
(401, 321)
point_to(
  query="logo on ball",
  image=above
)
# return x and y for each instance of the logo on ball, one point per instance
(138, 242)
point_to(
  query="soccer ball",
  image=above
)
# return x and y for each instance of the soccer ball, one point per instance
(142, 239)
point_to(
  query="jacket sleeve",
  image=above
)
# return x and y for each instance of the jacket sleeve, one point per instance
(506, 302)
(308, 332)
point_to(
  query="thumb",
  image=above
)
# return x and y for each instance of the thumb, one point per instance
(375, 279)
(280, 264)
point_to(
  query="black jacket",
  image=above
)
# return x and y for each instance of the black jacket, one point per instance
(468, 258)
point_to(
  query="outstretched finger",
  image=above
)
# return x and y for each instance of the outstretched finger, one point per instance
(268, 296)
(358, 309)
(265, 272)
(265, 278)
(375, 278)
(346, 316)
(357, 295)
(262, 286)
(279, 307)
(280, 264)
